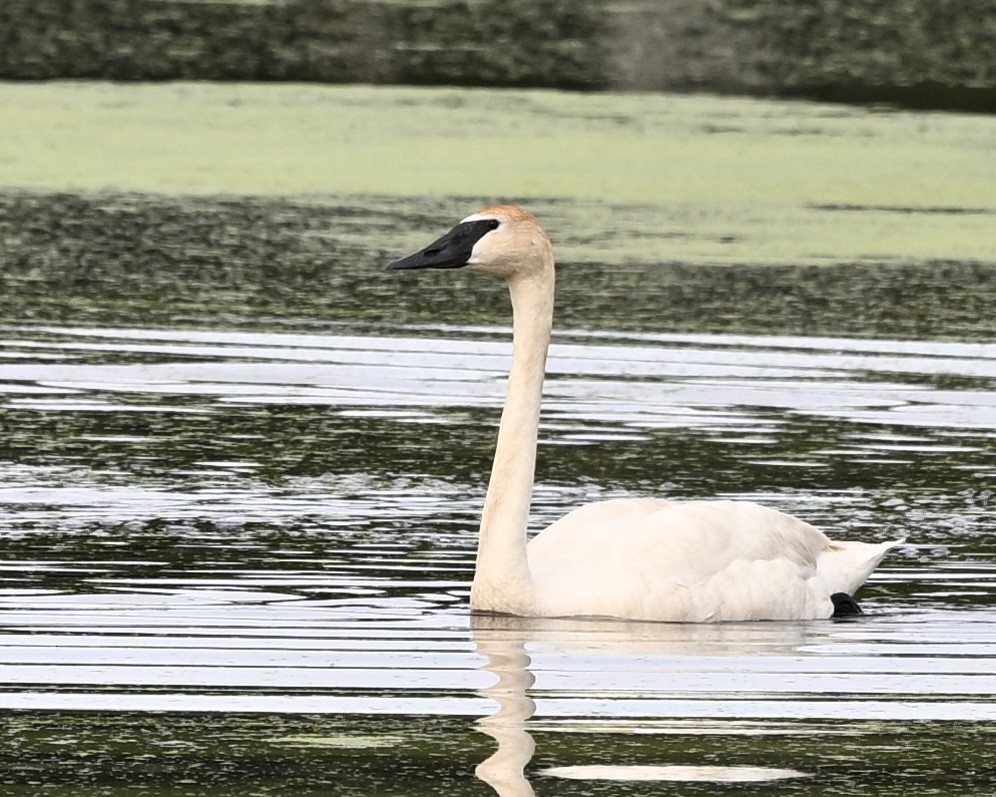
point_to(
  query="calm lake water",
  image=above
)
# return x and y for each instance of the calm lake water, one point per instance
(241, 466)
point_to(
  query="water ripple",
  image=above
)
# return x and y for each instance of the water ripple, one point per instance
(284, 525)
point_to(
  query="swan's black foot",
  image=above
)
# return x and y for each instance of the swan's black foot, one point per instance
(844, 605)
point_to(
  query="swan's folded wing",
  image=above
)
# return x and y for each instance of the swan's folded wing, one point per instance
(692, 561)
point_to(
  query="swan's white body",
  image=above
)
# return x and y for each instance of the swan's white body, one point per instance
(695, 561)
(637, 559)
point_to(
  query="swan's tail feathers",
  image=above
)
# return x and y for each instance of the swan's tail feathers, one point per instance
(845, 566)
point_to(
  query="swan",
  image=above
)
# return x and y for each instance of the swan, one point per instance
(630, 558)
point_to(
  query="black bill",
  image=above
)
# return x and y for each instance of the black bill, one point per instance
(452, 250)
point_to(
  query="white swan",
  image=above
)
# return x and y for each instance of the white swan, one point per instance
(641, 558)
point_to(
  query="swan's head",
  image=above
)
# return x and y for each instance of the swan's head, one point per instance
(503, 240)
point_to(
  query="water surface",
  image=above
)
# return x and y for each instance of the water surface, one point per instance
(241, 467)
(696, 179)
(245, 525)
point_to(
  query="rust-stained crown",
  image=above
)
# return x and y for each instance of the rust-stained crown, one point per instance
(511, 212)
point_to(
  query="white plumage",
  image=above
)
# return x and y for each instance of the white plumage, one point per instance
(698, 561)
(640, 558)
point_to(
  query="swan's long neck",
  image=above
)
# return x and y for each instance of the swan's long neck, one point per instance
(502, 581)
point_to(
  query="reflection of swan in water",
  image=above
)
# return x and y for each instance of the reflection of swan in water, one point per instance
(503, 640)
(507, 659)
(640, 558)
